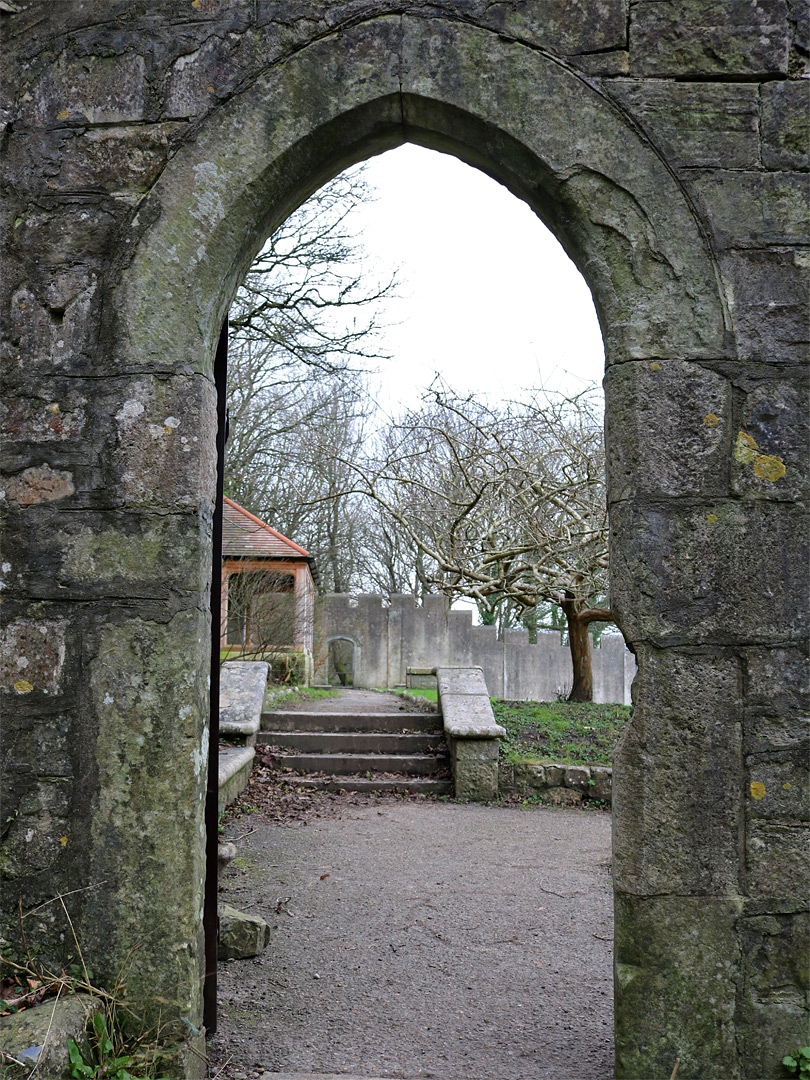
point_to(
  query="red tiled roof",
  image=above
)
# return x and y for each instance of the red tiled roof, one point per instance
(243, 534)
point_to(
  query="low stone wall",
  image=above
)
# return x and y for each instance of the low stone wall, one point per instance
(386, 640)
(563, 785)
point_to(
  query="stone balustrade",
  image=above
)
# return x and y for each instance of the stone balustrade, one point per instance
(471, 732)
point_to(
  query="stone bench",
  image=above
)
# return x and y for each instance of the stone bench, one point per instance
(471, 732)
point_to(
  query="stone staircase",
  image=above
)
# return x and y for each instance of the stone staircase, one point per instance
(361, 741)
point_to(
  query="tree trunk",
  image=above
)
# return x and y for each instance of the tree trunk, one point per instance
(579, 619)
(579, 642)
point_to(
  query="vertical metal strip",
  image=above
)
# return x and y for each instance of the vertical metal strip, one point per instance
(212, 793)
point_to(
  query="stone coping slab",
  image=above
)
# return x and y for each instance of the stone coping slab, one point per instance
(461, 680)
(232, 759)
(468, 716)
(242, 684)
(465, 703)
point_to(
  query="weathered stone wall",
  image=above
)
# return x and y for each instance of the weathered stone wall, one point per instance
(389, 639)
(148, 148)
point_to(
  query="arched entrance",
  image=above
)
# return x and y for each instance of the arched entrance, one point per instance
(691, 569)
(616, 207)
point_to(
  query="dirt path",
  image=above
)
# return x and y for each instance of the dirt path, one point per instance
(423, 939)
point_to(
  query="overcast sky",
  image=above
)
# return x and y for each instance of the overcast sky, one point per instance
(487, 296)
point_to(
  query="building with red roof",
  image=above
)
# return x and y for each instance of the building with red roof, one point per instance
(268, 588)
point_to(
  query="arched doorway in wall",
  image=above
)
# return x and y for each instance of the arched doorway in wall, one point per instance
(341, 653)
(605, 193)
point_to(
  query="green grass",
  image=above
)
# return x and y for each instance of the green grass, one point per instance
(569, 732)
(301, 693)
(420, 691)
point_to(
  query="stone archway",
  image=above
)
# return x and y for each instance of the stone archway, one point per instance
(690, 558)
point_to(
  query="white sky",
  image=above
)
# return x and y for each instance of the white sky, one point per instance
(487, 295)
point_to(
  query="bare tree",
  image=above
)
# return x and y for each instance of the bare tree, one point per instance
(303, 332)
(505, 503)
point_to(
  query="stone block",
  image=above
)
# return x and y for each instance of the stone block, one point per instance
(54, 331)
(771, 299)
(786, 124)
(91, 89)
(779, 784)
(53, 413)
(145, 555)
(678, 775)
(54, 235)
(240, 935)
(41, 840)
(39, 1036)
(196, 80)
(709, 37)
(528, 775)
(777, 699)
(475, 768)
(754, 209)
(33, 656)
(554, 775)
(776, 958)
(676, 969)
(601, 783)
(163, 457)
(772, 444)
(767, 1033)
(121, 159)
(777, 861)
(697, 124)
(562, 796)
(567, 26)
(146, 691)
(682, 575)
(667, 429)
(578, 778)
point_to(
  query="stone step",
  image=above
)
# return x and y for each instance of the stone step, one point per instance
(420, 785)
(351, 764)
(355, 742)
(401, 721)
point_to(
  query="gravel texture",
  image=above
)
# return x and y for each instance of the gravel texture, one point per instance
(422, 939)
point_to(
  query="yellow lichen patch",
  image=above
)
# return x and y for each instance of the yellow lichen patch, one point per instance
(746, 450)
(710, 420)
(54, 407)
(769, 467)
(786, 786)
(757, 789)
(23, 686)
(63, 841)
(655, 367)
(711, 518)
(63, 114)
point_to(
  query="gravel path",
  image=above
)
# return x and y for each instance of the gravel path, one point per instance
(423, 939)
